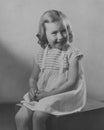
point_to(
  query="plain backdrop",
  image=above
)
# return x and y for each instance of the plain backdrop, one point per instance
(19, 21)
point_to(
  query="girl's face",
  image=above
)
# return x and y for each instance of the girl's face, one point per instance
(56, 34)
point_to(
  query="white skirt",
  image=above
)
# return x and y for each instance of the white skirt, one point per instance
(60, 104)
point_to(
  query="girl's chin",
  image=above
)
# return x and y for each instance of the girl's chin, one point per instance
(58, 45)
(62, 47)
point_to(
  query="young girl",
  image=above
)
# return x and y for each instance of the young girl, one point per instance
(57, 84)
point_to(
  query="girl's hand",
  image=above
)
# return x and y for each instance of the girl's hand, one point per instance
(32, 94)
(41, 94)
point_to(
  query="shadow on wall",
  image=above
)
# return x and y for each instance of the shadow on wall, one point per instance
(14, 76)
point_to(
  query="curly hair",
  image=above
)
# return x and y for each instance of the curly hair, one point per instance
(48, 17)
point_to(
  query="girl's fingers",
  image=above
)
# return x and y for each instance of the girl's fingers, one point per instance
(38, 92)
(31, 95)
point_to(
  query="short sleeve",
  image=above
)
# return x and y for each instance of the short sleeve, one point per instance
(75, 53)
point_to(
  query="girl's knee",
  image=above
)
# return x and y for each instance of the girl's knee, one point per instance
(19, 119)
(39, 116)
(22, 117)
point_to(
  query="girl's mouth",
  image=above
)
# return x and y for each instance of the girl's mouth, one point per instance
(62, 42)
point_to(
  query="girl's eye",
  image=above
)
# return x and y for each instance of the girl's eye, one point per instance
(63, 31)
(54, 33)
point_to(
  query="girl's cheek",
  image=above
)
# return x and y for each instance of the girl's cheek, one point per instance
(64, 35)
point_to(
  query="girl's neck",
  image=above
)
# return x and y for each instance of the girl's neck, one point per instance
(62, 48)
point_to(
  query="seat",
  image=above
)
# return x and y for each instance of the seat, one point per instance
(91, 117)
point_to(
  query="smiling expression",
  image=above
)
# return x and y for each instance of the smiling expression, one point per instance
(56, 34)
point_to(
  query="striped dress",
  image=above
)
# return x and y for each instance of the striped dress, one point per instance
(54, 65)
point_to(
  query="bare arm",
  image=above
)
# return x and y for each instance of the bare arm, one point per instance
(69, 84)
(33, 80)
(34, 75)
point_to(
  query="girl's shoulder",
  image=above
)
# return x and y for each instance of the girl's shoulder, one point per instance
(74, 52)
(39, 55)
(40, 50)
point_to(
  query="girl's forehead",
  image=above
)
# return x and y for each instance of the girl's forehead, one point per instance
(54, 25)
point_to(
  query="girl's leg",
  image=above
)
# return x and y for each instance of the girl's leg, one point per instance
(22, 118)
(39, 120)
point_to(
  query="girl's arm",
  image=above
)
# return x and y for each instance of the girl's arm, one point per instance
(68, 85)
(34, 76)
(33, 80)
(71, 83)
